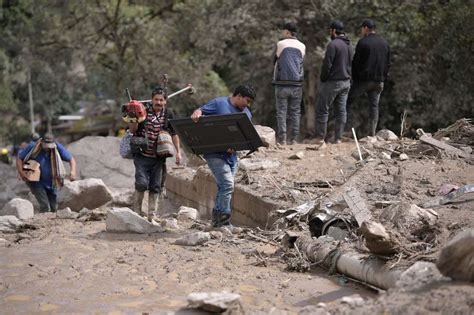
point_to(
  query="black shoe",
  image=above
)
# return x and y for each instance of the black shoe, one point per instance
(221, 219)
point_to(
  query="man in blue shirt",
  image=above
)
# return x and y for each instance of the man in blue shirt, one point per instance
(50, 178)
(223, 165)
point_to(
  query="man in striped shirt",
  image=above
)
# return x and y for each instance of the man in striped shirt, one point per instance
(149, 167)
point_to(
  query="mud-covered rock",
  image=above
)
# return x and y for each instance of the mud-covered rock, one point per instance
(20, 208)
(9, 223)
(216, 302)
(125, 220)
(194, 239)
(89, 193)
(377, 239)
(267, 135)
(187, 214)
(386, 135)
(418, 276)
(456, 259)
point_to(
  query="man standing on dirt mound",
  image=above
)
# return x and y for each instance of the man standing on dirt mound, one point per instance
(149, 165)
(48, 156)
(370, 68)
(223, 165)
(335, 83)
(288, 76)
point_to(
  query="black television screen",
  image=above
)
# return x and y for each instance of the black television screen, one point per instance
(217, 133)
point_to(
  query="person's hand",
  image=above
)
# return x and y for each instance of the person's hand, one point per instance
(230, 150)
(72, 176)
(22, 176)
(178, 158)
(196, 114)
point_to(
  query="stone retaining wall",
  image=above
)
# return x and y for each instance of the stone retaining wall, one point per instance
(197, 189)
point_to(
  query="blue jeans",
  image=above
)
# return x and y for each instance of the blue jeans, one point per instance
(332, 92)
(224, 174)
(46, 197)
(288, 101)
(148, 173)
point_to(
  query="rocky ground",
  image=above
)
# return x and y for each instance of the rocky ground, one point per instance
(74, 266)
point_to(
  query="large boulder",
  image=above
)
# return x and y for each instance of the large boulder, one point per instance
(267, 135)
(89, 193)
(9, 223)
(20, 208)
(121, 220)
(98, 157)
(456, 259)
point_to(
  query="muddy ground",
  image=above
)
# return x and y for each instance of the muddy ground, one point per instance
(67, 266)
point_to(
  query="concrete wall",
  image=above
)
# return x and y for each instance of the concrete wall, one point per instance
(197, 189)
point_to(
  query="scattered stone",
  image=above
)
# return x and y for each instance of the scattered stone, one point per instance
(368, 139)
(409, 217)
(378, 240)
(267, 135)
(456, 259)
(403, 157)
(363, 151)
(194, 239)
(90, 193)
(171, 224)
(67, 214)
(353, 300)
(314, 310)
(468, 150)
(213, 302)
(418, 276)
(122, 197)
(297, 156)
(125, 220)
(258, 164)
(9, 223)
(385, 156)
(187, 214)
(337, 233)
(386, 135)
(20, 208)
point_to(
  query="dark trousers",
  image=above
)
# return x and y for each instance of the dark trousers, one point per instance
(148, 173)
(331, 92)
(373, 90)
(45, 197)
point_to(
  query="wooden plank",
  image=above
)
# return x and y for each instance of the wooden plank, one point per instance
(444, 146)
(357, 205)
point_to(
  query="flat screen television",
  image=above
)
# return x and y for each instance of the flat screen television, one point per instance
(218, 133)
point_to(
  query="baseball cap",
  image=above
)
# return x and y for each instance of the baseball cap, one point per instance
(337, 25)
(368, 22)
(290, 26)
(48, 141)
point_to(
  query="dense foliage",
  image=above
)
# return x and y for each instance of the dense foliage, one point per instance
(81, 52)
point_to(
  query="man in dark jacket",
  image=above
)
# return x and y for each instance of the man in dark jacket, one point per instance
(335, 82)
(369, 71)
(288, 73)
